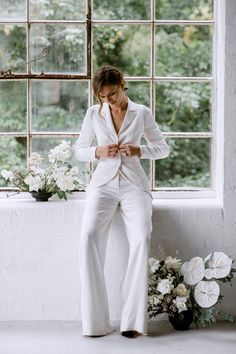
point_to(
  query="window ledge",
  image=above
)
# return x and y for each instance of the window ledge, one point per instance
(165, 199)
(11, 196)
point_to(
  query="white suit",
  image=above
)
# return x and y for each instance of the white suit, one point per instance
(117, 182)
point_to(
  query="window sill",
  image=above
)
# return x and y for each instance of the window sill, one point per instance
(160, 198)
(10, 196)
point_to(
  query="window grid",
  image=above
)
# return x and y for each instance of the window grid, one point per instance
(153, 79)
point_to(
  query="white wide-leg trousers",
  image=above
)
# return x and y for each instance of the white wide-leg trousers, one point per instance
(136, 209)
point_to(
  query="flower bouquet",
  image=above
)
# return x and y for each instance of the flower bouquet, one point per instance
(190, 289)
(58, 178)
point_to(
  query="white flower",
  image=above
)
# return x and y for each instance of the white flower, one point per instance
(35, 183)
(154, 300)
(74, 171)
(219, 265)
(6, 174)
(58, 171)
(37, 170)
(181, 290)
(193, 271)
(65, 182)
(172, 263)
(35, 159)
(165, 286)
(180, 303)
(60, 152)
(206, 293)
(57, 177)
(154, 264)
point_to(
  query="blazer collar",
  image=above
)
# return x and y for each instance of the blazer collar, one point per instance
(130, 114)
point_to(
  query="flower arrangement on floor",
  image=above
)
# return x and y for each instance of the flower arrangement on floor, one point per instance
(190, 288)
(58, 178)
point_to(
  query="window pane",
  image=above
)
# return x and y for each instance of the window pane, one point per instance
(43, 145)
(59, 105)
(12, 154)
(124, 46)
(188, 164)
(183, 106)
(12, 9)
(184, 10)
(13, 106)
(57, 10)
(183, 50)
(139, 92)
(12, 46)
(122, 10)
(66, 45)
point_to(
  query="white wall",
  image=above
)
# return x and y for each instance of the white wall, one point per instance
(39, 252)
(39, 273)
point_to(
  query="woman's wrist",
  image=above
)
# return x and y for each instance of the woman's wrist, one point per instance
(97, 153)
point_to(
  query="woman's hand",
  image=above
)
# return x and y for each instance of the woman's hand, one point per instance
(130, 150)
(106, 151)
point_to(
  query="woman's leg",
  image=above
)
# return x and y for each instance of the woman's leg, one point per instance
(100, 207)
(136, 210)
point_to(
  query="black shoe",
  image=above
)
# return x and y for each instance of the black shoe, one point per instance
(97, 336)
(129, 334)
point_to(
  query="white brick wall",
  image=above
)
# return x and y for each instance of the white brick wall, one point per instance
(39, 273)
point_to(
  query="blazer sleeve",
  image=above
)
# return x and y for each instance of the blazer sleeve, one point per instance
(156, 147)
(83, 149)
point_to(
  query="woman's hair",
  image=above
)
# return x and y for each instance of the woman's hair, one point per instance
(106, 75)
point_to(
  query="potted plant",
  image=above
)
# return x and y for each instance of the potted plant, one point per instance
(59, 177)
(188, 292)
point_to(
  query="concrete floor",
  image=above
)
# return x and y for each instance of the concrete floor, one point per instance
(61, 337)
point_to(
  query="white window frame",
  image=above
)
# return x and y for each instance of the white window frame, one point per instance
(216, 80)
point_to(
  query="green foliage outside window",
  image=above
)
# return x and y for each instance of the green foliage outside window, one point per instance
(59, 106)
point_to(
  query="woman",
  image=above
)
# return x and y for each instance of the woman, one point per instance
(118, 182)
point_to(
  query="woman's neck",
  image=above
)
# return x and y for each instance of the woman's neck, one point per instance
(122, 106)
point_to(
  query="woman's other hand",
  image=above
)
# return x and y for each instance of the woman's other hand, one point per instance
(130, 150)
(106, 151)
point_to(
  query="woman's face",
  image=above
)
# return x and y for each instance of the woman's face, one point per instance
(112, 94)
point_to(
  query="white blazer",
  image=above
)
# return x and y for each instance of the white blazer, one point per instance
(138, 122)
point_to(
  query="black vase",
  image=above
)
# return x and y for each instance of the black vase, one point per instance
(181, 321)
(41, 196)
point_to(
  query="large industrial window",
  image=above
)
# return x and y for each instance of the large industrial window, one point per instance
(165, 49)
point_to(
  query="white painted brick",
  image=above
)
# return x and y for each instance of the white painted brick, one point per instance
(58, 311)
(161, 216)
(211, 244)
(25, 296)
(24, 269)
(56, 280)
(63, 296)
(176, 215)
(161, 230)
(189, 215)
(7, 296)
(228, 242)
(203, 215)
(18, 282)
(20, 311)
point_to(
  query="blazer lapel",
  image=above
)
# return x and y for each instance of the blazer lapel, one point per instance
(129, 116)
